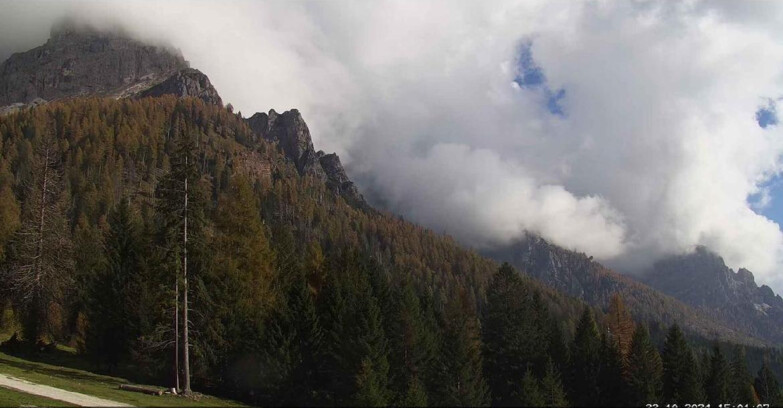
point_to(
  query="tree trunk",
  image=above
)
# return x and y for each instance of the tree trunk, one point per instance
(176, 333)
(186, 360)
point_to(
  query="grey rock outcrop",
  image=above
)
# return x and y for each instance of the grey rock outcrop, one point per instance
(188, 82)
(338, 181)
(79, 61)
(291, 133)
(702, 279)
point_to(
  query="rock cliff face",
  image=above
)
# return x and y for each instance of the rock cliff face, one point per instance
(338, 181)
(188, 82)
(81, 61)
(703, 280)
(579, 275)
(291, 133)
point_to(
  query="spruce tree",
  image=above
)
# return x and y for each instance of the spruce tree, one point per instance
(530, 392)
(181, 220)
(680, 384)
(718, 378)
(645, 369)
(114, 295)
(586, 353)
(613, 391)
(412, 344)
(514, 332)
(741, 385)
(767, 386)
(459, 366)
(552, 387)
(356, 366)
(416, 395)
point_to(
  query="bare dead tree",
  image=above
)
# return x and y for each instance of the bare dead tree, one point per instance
(186, 359)
(42, 266)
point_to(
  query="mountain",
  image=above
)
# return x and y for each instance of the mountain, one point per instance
(299, 292)
(578, 275)
(702, 279)
(80, 61)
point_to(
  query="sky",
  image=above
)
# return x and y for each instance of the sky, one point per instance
(628, 130)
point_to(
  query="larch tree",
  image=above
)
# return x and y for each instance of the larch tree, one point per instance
(621, 326)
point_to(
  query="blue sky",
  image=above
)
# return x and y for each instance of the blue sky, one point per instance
(531, 77)
(767, 117)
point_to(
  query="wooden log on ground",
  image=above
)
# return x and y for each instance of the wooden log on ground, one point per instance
(141, 389)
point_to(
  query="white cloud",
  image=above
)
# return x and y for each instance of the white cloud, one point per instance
(659, 150)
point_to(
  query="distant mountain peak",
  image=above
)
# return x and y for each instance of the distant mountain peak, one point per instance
(702, 279)
(79, 60)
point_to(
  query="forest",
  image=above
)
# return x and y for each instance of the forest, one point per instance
(161, 237)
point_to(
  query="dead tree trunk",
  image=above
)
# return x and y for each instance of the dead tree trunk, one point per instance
(186, 346)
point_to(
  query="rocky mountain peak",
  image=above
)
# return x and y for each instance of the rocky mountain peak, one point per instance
(291, 133)
(82, 61)
(703, 279)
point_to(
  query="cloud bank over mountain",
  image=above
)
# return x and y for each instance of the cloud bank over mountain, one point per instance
(627, 130)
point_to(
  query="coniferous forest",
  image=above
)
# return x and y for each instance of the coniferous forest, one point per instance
(282, 293)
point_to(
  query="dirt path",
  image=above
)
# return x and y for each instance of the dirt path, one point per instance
(70, 397)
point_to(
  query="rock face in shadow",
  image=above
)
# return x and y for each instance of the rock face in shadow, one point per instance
(291, 133)
(78, 61)
(579, 275)
(703, 280)
(338, 180)
(188, 82)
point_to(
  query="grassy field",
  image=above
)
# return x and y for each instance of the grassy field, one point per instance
(11, 398)
(87, 383)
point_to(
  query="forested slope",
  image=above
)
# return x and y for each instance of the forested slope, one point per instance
(297, 296)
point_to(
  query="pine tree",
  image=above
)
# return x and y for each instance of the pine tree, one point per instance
(530, 392)
(718, 378)
(680, 383)
(585, 362)
(552, 387)
(645, 369)
(767, 386)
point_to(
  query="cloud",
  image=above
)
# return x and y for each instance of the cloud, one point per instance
(635, 137)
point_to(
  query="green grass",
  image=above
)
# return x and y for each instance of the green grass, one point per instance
(13, 398)
(101, 386)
